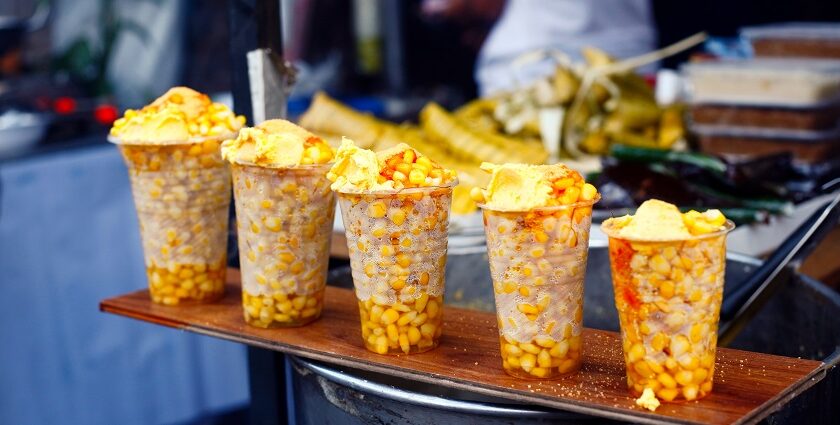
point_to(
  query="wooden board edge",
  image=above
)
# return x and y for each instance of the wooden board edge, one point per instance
(107, 307)
(597, 411)
(780, 400)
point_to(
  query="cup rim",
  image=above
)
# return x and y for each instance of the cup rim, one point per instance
(422, 189)
(611, 233)
(551, 208)
(190, 141)
(283, 167)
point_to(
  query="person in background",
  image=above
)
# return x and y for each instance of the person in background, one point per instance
(622, 28)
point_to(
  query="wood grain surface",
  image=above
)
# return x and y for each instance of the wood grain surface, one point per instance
(748, 386)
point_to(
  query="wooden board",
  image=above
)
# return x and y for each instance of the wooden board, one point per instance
(748, 386)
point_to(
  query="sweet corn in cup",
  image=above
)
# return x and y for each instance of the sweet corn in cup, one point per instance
(395, 206)
(668, 273)
(537, 221)
(284, 209)
(181, 190)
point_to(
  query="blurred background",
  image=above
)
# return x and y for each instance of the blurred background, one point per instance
(518, 79)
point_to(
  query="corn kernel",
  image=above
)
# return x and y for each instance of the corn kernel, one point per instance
(397, 216)
(390, 316)
(376, 209)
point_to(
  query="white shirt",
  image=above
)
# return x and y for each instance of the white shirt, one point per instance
(622, 28)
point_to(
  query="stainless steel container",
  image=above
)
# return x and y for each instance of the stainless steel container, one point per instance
(800, 321)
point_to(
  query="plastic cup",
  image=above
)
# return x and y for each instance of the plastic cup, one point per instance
(284, 222)
(668, 296)
(537, 263)
(397, 243)
(181, 192)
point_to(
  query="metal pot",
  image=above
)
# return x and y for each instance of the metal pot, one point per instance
(800, 320)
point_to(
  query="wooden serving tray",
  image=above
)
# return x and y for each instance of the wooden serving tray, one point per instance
(748, 386)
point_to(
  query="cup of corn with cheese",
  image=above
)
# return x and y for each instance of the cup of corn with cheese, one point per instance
(181, 190)
(537, 220)
(395, 206)
(284, 214)
(668, 272)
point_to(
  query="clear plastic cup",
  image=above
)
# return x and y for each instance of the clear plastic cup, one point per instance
(181, 192)
(284, 221)
(668, 296)
(537, 263)
(397, 243)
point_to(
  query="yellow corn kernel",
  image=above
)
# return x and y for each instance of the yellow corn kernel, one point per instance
(406, 318)
(284, 306)
(416, 176)
(643, 369)
(699, 375)
(530, 348)
(697, 332)
(274, 224)
(588, 192)
(428, 330)
(421, 302)
(405, 344)
(660, 341)
(666, 289)
(390, 316)
(398, 284)
(512, 350)
(386, 250)
(543, 303)
(679, 346)
(570, 196)
(675, 320)
(296, 267)
(573, 240)
(376, 209)
(660, 265)
(299, 302)
(684, 377)
(689, 362)
(397, 216)
(527, 361)
(424, 278)
(527, 308)
(666, 380)
(560, 349)
(266, 203)
(538, 252)
(654, 365)
(544, 359)
(563, 183)
(382, 344)
(524, 291)
(432, 309)
(690, 392)
(413, 335)
(287, 257)
(508, 287)
(545, 341)
(255, 228)
(667, 394)
(379, 232)
(636, 353)
(403, 260)
(392, 333)
(696, 295)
